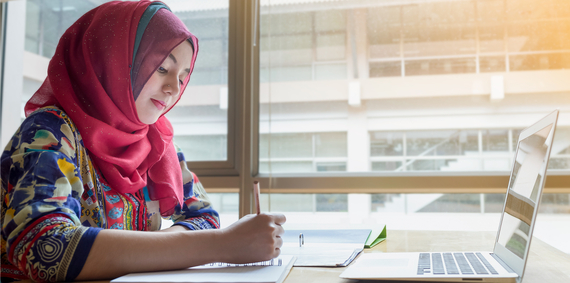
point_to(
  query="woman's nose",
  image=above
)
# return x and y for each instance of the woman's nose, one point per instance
(171, 88)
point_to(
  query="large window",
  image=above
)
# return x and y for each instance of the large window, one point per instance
(436, 86)
(358, 97)
(405, 89)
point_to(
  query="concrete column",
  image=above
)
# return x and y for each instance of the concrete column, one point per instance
(358, 207)
(358, 140)
(358, 152)
(12, 71)
(361, 33)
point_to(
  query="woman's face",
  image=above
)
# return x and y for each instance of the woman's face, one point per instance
(161, 91)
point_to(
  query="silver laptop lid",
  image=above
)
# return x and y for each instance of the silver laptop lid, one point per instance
(524, 193)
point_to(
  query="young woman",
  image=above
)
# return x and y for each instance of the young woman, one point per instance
(93, 167)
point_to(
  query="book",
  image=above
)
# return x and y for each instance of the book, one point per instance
(272, 271)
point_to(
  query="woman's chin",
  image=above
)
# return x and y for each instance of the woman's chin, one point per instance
(149, 120)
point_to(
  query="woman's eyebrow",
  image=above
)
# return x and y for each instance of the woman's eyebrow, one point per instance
(173, 58)
(175, 62)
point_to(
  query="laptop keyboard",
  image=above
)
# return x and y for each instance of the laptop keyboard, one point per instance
(454, 263)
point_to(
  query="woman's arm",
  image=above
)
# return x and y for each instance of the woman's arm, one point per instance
(196, 211)
(117, 252)
(41, 187)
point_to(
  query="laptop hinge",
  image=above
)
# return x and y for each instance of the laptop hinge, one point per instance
(498, 259)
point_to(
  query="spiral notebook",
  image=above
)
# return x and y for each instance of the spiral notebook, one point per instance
(272, 271)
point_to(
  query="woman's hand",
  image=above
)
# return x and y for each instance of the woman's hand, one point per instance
(118, 252)
(253, 238)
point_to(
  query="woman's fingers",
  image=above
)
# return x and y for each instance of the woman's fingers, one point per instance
(279, 218)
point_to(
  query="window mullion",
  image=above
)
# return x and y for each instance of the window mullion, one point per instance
(243, 75)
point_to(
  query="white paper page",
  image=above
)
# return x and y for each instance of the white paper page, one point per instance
(324, 247)
(316, 254)
(217, 274)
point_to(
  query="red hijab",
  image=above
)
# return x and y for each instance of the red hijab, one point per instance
(94, 78)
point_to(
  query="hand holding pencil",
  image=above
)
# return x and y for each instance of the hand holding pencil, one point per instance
(255, 237)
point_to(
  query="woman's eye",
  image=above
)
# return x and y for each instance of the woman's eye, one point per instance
(181, 82)
(161, 70)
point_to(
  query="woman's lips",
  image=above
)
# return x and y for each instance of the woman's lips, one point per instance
(159, 104)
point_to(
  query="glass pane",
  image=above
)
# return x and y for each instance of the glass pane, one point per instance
(200, 119)
(332, 202)
(383, 27)
(386, 144)
(440, 66)
(330, 20)
(516, 133)
(331, 166)
(296, 152)
(428, 164)
(387, 166)
(225, 203)
(454, 203)
(435, 29)
(288, 202)
(523, 10)
(534, 36)
(286, 166)
(331, 71)
(559, 163)
(292, 42)
(408, 84)
(386, 69)
(286, 50)
(495, 141)
(539, 62)
(286, 145)
(490, 10)
(441, 142)
(330, 145)
(213, 147)
(491, 37)
(46, 21)
(561, 141)
(492, 64)
(330, 46)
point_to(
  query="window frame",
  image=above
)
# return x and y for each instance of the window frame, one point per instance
(12, 30)
(2, 48)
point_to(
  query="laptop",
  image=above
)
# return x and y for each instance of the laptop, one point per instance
(507, 261)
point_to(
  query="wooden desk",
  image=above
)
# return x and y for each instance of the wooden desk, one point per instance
(545, 264)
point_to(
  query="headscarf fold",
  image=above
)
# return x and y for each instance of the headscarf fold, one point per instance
(96, 75)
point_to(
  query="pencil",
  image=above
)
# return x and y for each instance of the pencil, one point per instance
(256, 195)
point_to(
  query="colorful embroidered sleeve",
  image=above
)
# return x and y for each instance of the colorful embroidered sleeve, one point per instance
(196, 212)
(41, 232)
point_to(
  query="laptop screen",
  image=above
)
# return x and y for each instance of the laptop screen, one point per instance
(524, 190)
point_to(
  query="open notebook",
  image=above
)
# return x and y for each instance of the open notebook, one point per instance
(332, 248)
(272, 271)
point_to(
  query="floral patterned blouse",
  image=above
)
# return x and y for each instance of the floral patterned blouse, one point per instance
(55, 202)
